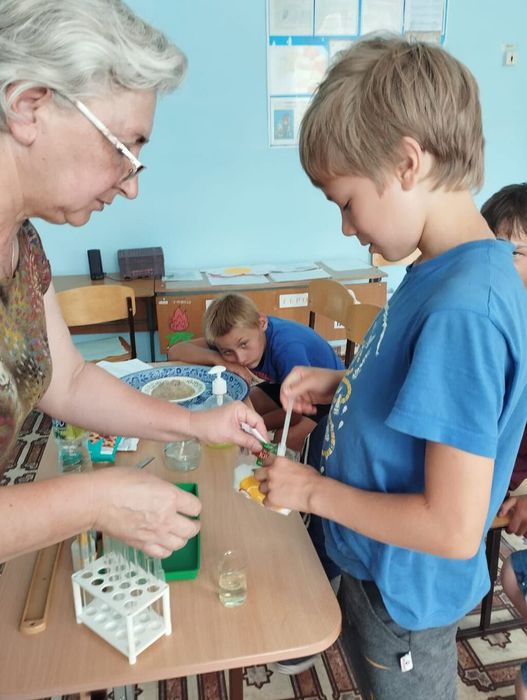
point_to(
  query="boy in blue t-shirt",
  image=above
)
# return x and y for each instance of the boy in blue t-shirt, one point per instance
(425, 424)
(249, 343)
(506, 214)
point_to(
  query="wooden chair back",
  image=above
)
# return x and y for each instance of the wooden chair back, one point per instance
(358, 320)
(99, 304)
(331, 299)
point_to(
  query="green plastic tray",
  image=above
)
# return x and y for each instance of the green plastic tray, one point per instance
(184, 563)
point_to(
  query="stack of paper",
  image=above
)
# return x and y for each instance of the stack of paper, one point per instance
(263, 272)
(182, 276)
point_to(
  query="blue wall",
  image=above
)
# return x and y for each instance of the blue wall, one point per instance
(214, 193)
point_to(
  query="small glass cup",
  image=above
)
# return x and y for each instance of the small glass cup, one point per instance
(232, 578)
(183, 455)
(72, 447)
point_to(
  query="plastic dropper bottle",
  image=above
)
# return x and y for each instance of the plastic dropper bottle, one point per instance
(219, 395)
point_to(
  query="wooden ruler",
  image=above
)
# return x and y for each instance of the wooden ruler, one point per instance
(35, 615)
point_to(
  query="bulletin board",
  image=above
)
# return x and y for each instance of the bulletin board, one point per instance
(303, 37)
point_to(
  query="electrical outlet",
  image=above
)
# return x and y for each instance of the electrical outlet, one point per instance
(289, 301)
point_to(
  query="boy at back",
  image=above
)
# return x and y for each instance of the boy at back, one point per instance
(425, 424)
(506, 214)
(249, 343)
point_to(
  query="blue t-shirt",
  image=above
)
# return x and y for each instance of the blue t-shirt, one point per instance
(289, 344)
(446, 362)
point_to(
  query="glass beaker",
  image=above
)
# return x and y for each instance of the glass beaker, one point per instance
(183, 455)
(72, 447)
(232, 578)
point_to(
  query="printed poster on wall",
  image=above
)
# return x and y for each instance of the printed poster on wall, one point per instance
(304, 36)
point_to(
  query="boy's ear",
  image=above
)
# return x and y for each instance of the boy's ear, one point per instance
(25, 106)
(262, 322)
(410, 168)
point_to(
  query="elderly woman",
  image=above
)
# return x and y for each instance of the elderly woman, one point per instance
(78, 87)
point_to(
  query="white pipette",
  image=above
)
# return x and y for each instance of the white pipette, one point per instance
(252, 431)
(281, 447)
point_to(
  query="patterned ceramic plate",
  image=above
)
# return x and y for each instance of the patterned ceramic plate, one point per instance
(174, 389)
(237, 388)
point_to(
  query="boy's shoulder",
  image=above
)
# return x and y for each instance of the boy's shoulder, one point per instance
(473, 281)
(470, 275)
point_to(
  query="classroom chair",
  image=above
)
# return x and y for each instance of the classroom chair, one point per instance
(100, 305)
(332, 300)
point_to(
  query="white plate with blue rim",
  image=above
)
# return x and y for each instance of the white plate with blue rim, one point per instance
(174, 389)
(237, 388)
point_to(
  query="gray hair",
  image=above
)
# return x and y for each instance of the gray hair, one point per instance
(82, 48)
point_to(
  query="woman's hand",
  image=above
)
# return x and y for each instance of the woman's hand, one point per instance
(288, 484)
(309, 386)
(145, 512)
(222, 425)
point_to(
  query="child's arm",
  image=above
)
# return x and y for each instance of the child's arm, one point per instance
(446, 520)
(516, 508)
(198, 352)
(309, 386)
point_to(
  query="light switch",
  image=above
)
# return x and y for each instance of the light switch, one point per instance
(511, 55)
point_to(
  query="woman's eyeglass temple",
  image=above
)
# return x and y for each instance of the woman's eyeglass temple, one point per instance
(135, 164)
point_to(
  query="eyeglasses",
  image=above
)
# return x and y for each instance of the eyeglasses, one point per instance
(135, 165)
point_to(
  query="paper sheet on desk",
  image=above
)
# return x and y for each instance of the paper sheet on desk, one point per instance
(298, 276)
(345, 264)
(120, 369)
(182, 276)
(237, 279)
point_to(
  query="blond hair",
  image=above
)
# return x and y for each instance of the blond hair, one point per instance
(229, 311)
(381, 90)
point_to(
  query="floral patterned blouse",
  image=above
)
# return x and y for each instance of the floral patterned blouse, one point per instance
(25, 362)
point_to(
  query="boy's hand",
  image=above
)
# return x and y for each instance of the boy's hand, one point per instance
(516, 508)
(222, 425)
(287, 484)
(309, 386)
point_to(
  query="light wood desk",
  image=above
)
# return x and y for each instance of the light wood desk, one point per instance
(290, 611)
(180, 306)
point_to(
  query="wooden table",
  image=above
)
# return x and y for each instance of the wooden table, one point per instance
(290, 610)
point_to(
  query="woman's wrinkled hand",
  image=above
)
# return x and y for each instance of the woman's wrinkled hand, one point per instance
(145, 512)
(222, 425)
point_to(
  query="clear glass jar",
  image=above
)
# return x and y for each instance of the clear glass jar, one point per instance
(72, 447)
(232, 578)
(183, 455)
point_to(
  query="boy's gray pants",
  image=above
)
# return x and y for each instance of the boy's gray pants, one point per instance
(375, 644)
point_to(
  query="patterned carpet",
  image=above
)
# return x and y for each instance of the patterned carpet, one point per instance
(487, 665)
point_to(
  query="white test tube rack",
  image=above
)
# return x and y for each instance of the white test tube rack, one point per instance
(116, 599)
